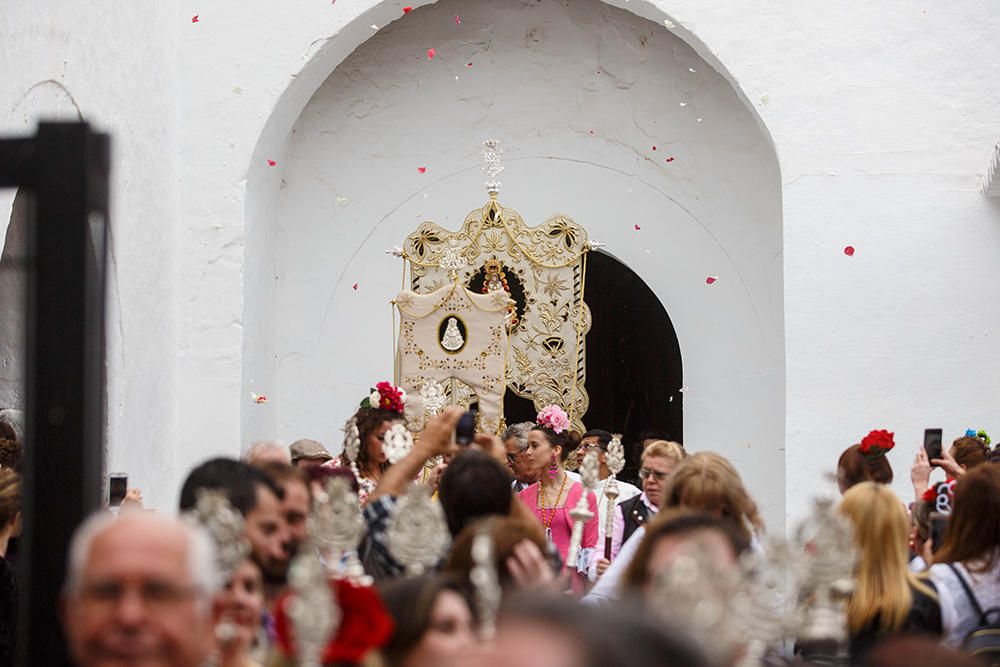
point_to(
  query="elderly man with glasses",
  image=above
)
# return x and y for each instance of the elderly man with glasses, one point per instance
(658, 461)
(139, 592)
(515, 440)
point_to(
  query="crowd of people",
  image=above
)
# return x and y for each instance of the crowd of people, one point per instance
(589, 569)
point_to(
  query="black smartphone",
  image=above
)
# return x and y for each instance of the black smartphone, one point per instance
(939, 523)
(465, 432)
(932, 443)
(117, 488)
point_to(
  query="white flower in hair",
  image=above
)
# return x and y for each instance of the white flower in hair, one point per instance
(375, 399)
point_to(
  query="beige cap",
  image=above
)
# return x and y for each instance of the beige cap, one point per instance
(308, 449)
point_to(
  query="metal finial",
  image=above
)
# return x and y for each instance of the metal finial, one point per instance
(492, 166)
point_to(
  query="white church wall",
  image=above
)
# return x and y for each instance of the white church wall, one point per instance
(882, 116)
(112, 67)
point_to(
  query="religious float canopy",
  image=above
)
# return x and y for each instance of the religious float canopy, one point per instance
(534, 275)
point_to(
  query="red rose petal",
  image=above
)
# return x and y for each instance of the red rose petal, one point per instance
(849, 251)
(355, 286)
(710, 280)
(194, 19)
(431, 52)
(654, 148)
(271, 163)
(457, 19)
(422, 170)
(670, 159)
(637, 228)
(469, 65)
(407, 10)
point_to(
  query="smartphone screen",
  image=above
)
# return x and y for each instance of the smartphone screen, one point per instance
(939, 523)
(932, 443)
(117, 487)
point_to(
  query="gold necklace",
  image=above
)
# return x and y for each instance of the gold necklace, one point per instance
(547, 522)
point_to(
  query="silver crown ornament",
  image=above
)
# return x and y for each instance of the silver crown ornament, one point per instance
(485, 583)
(417, 536)
(581, 513)
(225, 525)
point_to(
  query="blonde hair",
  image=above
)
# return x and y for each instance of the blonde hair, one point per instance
(882, 580)
(665, 449)
(707, 481)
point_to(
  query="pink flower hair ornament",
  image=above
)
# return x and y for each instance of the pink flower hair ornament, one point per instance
(554, 418)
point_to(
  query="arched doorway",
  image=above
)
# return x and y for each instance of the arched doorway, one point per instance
(634, 369)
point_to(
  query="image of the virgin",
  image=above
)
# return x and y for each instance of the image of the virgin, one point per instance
(452, 333)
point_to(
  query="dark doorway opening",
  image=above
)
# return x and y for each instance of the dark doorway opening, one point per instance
(634, 370)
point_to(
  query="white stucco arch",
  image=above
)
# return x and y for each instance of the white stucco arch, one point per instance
(288, 417)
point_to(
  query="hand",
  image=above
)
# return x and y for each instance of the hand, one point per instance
(602, 567)
(530, 569)
(920, 473)
(438, 436)
(493, 446)
(132, 500)
(434, 475)
(949, 464)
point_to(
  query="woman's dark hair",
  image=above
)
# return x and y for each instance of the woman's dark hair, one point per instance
(568, 440)
(973, 532)
(474, 485)
(970, 452)
(854, 468)
(10, 496)
(10, 453)
(410, 602)
(368, 421)
(603, 437)
(506, 533)
(626, 636)
(678, 522)
(236, 479)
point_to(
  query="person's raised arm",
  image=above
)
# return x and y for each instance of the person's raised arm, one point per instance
(437, 439)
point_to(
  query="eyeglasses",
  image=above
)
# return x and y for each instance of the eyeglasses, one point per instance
(645, 473)
(586, 449)
(512, 457)
(154, 594)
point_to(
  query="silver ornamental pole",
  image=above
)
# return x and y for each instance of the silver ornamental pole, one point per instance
(615, 460)
(581, 513)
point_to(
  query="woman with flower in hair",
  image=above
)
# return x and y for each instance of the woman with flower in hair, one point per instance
(554, 494)
(866, 462)
(365, 435)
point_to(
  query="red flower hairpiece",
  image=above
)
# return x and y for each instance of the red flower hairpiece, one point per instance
(366, 625)
(877, 443)
(386, 396)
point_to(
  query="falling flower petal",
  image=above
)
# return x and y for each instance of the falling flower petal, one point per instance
(671, 158)
(373, 26)
(684, 389)
(469, 65)
(849, 251)
(422, 170)
(354, 287)
(669, 24)
(271, 163)
(407, 10)
(457, 19)
(637, 228)
(654, 148)
(259, 398)
(431, 53)
(684, 104)
(194, 19)
(710, 280)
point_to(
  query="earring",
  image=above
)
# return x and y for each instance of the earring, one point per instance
(553, 467)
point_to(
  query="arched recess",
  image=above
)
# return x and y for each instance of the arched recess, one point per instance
(609, 118)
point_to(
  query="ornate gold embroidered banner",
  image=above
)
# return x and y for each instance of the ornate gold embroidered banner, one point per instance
(541, 269)
(454, 337)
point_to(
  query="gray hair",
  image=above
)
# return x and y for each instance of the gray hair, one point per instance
(260, 447)
(201, 563)
(519, 433)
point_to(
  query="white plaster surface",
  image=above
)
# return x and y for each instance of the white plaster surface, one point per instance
(882, 116)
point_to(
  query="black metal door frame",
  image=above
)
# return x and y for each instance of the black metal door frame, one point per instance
(64, 169)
